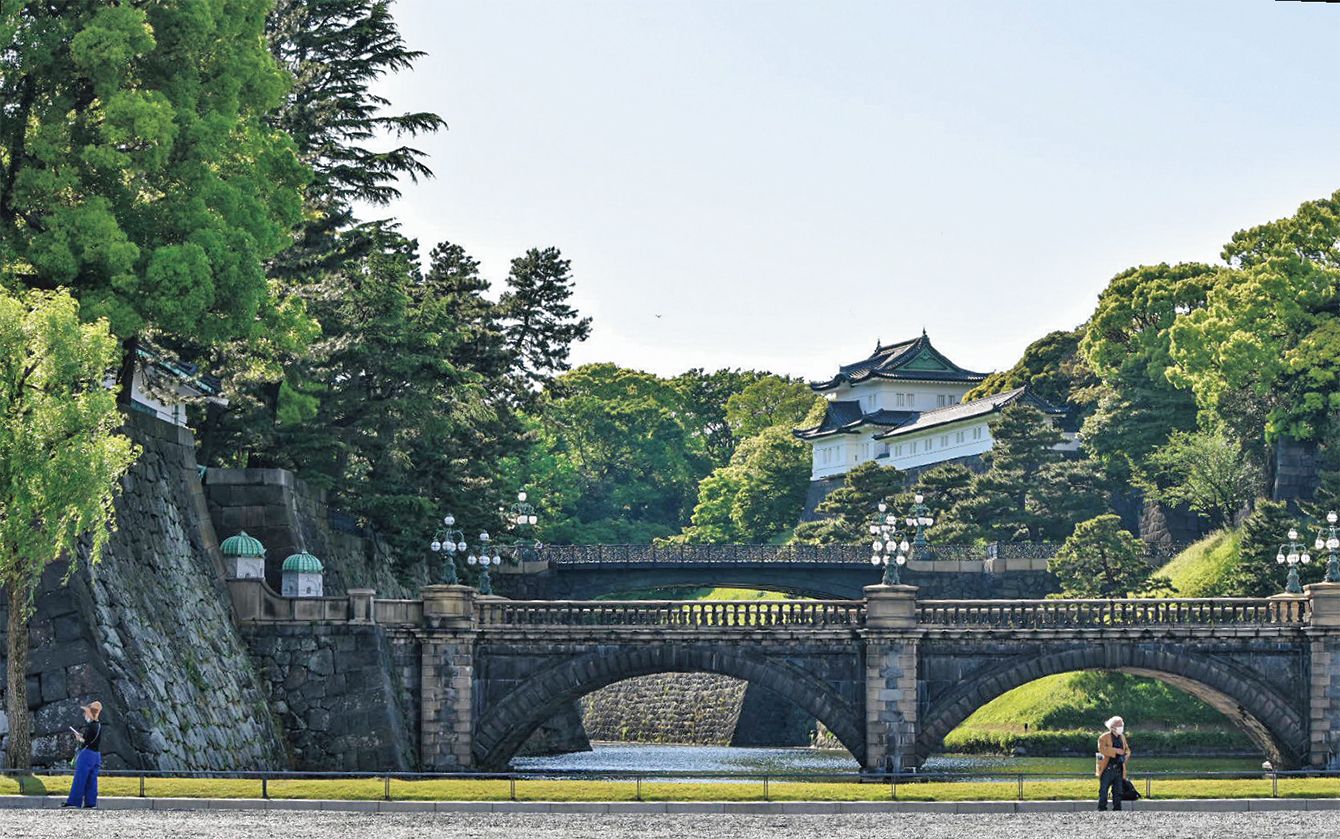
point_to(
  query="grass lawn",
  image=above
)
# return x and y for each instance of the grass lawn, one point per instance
(612, 790)
(1196, 571)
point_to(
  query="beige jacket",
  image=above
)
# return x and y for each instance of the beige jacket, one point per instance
(1107, 752)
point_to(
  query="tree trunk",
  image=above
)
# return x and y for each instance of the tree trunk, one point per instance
(20, 751)
(125, 377)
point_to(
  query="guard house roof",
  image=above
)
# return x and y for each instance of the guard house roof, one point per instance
(972, 410)
(914, 360)
(188, 375)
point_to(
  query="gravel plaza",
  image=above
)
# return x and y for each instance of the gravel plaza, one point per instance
(56, 824)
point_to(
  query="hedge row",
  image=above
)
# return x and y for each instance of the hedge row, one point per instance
(1082, 742)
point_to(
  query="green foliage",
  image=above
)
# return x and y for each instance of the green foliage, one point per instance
(1030, 491)
(61, 461)
(842, 517)
(138, 170)
(1100, 559)
(1084, 699)
(704, 398)
(944, 488)
(1082, 742)
(1063, 494)
(402, 426)
(1263, 354)
(334, 50)
(620, 434)
(767, 402)
(1024, 441)
(758, 495)
(1127, 343)
(1051, 367)
(1205, 470)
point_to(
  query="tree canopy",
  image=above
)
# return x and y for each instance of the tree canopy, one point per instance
(61, 461)
(137, 166)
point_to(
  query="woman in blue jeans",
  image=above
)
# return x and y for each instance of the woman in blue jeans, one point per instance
(84, 787)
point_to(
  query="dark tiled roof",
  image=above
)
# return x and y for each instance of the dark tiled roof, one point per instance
(971, 410)
(915, 360)
(846, 417)
(187, 373)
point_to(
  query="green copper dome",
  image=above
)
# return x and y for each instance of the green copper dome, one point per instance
(303, 563)
(242, 545)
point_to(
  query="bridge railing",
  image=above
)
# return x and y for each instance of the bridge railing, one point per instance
(616, 555)
(688, 614)
(721, 554)
(1048, 614)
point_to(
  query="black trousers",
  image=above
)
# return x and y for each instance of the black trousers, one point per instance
(1110, 780)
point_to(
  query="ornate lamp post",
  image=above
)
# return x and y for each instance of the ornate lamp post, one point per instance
(451, 539)
(483, 560)
(920, 519)
(520, 519)
(887, 549)
(1328, 539)
(1294, 554)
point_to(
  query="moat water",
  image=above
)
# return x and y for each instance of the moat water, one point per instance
(638, 758)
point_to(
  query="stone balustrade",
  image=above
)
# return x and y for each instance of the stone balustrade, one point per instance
(1063, 614)
(462, 606)
(687, 614)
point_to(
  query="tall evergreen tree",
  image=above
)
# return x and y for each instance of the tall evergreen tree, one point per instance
(335, 51)
(539, 321)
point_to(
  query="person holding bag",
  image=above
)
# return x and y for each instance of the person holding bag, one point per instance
(88, 760)
(1114, 752)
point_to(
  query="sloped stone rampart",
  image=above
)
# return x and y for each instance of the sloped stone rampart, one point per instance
(149, 632)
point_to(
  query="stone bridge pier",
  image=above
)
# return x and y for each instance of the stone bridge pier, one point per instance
(471, 677)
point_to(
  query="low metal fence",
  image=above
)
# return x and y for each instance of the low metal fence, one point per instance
(510, 785)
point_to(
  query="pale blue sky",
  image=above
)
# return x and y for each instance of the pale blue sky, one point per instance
(786, 182)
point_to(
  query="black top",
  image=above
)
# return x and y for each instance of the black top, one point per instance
(93, 736)
(1119, 742)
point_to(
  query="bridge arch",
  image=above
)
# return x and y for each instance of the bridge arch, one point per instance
(503, 727)
(1260, 710)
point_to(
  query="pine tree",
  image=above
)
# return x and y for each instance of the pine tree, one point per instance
(841, 518)
(1256, 573)
(1100, 559)
(335, 51)
(1024, 440)
(540, 324)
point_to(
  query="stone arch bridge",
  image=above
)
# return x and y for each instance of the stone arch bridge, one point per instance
(888, 674)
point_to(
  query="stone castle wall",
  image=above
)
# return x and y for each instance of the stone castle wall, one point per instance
(338, 695)
(699, 708)
(288, 516)
(695, 708)
(149, 632)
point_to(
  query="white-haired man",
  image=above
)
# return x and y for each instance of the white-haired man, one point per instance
(1114, 753)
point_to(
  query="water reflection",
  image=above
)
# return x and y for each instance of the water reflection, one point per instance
(635, 758)
(647, 757)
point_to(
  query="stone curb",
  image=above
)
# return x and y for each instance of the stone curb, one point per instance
(829, 808)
